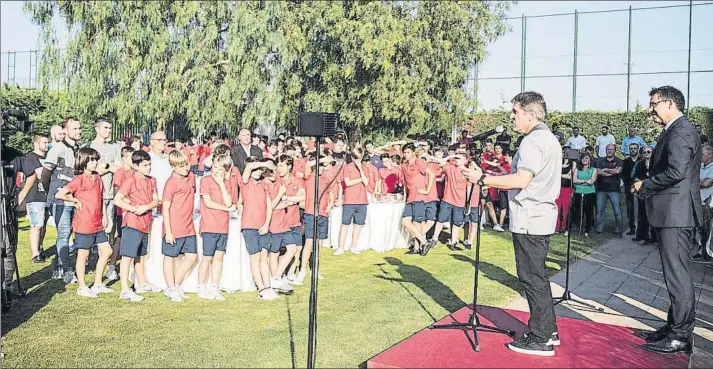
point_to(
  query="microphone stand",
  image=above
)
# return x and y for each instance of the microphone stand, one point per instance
(566, 295)
(312, 334)
(473, 320)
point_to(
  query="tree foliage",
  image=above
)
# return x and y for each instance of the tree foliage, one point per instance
(218, 64)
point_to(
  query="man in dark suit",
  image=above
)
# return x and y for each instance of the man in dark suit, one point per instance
(673, 207)
(243, 149)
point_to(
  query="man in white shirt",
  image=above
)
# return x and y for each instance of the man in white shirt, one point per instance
(576, 142)
(604, 140)
(160, 167)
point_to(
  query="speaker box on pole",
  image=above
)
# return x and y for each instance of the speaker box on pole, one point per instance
(317, 124)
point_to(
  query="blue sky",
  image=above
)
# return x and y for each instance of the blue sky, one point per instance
(659, 43)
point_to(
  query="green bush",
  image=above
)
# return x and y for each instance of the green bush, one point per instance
(590, 122)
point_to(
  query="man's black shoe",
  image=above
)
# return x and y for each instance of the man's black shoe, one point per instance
(38, 259)
(527, 346)
(453, 247)
(630, 233)
(637, 239)
(654, 336)
(670, 345)
(427, 247)
(553, 341)
(700, 258)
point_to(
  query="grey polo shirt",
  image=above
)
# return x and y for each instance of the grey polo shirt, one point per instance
(108, 154)
(61, 157)
(533, 209)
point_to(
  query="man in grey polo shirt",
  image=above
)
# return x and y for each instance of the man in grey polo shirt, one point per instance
(533, 185)
(58, 171)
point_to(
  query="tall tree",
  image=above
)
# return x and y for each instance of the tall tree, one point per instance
(225, 64)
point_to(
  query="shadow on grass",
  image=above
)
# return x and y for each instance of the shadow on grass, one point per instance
(292, 335)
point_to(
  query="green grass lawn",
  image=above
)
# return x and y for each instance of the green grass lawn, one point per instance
(367, 303)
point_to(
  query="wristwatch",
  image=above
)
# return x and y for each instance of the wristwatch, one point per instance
(480, 181)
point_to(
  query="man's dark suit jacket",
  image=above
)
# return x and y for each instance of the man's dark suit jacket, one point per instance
(239, 156)
(672, 192)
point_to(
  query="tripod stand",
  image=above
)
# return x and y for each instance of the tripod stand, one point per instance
(566, 295)
(473, 320)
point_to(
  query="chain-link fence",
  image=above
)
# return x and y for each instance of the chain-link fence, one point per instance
(601, 60)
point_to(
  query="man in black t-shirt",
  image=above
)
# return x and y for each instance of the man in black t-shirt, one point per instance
(609, 170)
(33, 195)
(626, 174)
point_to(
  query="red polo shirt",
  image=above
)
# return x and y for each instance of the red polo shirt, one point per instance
(356, 194)
(254, 204)
(180, 191)
(213, 221)
(414, 176)
(88, 190)
(292, 213)
(456, 183)
(437, 171)
(277, 221)
(140, 190)
(310, 196)
(389, 177)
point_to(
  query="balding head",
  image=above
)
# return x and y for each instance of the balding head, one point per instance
(158, 142)
(57, 133)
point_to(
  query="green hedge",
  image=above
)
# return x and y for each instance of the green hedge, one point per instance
(591, 122)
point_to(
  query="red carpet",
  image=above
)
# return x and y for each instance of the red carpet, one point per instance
(584, 345)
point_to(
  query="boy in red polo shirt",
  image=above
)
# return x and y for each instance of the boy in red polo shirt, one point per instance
(418, 180)
(474, 215)
(431, 200)
(179, 233)
(389, 175)
(452, 207)
(257, 213)
(326, 203)
(355, 201)
(216, 205)
(294, 194)
(90, 219)
(279, 230)
(121, 174)
(137, 196)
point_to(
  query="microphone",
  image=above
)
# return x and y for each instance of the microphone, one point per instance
(482, 135)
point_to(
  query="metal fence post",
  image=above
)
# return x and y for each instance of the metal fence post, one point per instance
(690, 28)
(628, 66)
(574, 62)
(523, 57)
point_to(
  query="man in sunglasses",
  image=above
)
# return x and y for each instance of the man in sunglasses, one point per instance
(673, 206)
(626, 177)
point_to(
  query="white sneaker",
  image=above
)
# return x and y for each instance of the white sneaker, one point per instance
(268, 294)
(215, 291)
(180, 291)
(301, 277)
(482, 228)
(86, 292)
(340, 251)
(566, 233)
(355, 251)
(320, 276)
(173, 295)
(279, 285)
(148, 288)
(203, 293)
(498, 228)
(112, 275)
(101, 288)
(130, 296)
(292, 279)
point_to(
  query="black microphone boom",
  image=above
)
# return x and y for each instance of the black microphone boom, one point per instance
(482, 135)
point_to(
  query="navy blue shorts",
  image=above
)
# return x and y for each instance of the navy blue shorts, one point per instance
(415, 210)
(134, 243)
(302, 215)
(294, 236)
(187, 245)
(473, 216)
(431, 210)
(450, 213)
(322, 226)
(256, 242)
(213, 242)
(354, 212)
(86, 241)
(278, 241)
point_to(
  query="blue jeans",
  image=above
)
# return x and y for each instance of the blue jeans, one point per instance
(63, 220)
(615, 199)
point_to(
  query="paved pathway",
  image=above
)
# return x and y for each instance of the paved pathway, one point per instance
(625, 279)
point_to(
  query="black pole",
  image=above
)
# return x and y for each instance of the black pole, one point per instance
(473, 321)
(312, 339)
(566, 295)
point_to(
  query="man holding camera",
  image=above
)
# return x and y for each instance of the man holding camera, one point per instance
(533, 189)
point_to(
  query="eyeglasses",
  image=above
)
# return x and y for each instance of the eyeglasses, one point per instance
(648, 152)
(653, 104)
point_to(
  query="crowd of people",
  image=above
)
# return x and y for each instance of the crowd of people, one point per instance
(106, 193)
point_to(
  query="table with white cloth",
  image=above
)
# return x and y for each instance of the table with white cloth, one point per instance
(236, 274)
(382, 231)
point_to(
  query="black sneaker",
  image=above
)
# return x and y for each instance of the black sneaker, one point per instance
(43, 254)
(411, 251)
(527, 346)
(467, 245)
(57, 273)
(630, 233)
(427, 247)
(553, 341)
(452, 247)
(700, 259)
(38, 259)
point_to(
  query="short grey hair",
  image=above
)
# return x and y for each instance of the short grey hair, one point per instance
(706, 148)
(532, 102)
